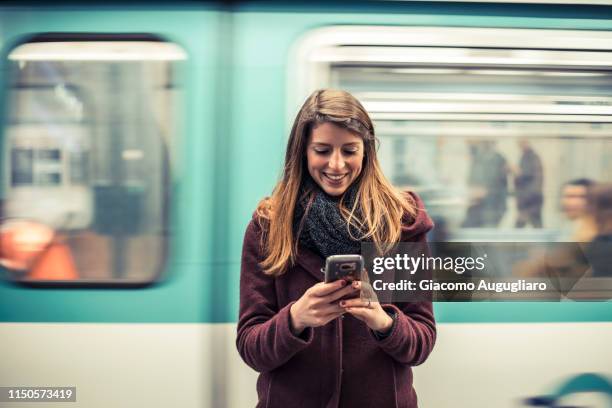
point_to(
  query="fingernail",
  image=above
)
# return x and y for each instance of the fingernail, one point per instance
(342, 283)
(343, 303)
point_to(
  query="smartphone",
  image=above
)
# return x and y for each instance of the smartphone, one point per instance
(347, 267)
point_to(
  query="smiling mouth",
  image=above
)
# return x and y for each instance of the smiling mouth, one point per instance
(335, 178)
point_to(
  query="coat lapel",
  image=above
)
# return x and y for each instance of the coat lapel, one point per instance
(311, 262)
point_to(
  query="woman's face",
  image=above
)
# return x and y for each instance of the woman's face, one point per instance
(335, 157)
(574, 201)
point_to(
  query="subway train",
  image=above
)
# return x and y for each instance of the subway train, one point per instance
(138, 138)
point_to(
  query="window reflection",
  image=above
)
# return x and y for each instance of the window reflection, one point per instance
(493, 182)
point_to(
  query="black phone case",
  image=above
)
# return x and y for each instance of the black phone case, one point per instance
(343, 266)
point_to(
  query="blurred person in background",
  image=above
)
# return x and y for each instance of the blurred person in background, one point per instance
(569, 259)
(528, 187)
(600, 248)
(488, 185)
(311, 345)
(581, 224)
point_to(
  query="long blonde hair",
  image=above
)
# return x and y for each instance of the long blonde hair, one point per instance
(378, 208)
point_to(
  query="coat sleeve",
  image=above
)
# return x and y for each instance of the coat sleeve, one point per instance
(265, 340)
(414, 333)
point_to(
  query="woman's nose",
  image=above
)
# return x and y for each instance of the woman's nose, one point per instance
(336, 161)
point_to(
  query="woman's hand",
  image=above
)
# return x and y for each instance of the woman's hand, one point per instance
(319, 305)
(369, 311)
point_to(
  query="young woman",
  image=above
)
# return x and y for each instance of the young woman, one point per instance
(318, 344)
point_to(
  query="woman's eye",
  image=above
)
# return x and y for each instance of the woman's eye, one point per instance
(327, 151)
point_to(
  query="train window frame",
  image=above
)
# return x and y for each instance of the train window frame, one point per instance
(104, 48)
(316, 52)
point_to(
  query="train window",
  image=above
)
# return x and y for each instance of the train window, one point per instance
(487, 130)
(489, 126)
(90, 122)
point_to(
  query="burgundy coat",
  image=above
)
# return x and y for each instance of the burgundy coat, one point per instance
(340, 364)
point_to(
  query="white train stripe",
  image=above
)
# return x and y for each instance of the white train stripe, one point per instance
(196, 365)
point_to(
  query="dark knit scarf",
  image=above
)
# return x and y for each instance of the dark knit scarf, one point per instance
(320, 224)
